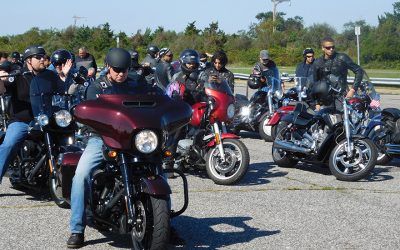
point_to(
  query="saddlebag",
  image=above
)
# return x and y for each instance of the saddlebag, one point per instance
(68, 164)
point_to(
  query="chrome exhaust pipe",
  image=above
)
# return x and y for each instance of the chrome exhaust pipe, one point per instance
(287, 146)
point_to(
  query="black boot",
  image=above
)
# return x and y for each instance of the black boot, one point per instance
(76, 240)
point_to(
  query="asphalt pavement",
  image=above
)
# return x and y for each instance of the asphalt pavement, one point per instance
(271, 208)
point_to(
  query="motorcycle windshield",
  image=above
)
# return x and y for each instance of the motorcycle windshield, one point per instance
(219, 86)
(300, 83)
(367, 88)
(274, 85)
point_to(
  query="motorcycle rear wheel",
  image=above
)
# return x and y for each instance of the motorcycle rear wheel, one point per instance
(280, 156)
(235, 166)
(152, 226)
(375, 135)
(357, 167)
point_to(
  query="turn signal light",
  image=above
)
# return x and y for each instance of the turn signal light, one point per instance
(167, 153)
(112, 154)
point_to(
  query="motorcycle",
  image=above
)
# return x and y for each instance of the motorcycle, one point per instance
(325, 136)
(207, 144)
(128, 192)
(287, 104)
(252, 115)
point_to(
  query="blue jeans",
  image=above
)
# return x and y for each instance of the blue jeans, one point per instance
(91, 158)
(15, 136)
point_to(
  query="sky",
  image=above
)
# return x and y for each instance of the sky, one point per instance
(231, 15)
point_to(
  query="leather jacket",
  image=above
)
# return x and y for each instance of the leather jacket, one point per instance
(337, 67)
(224, 73)
(163, 74)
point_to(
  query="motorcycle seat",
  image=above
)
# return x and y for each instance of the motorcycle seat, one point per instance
(303, 115)
(392, 112)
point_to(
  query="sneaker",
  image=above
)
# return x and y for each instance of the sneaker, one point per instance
(174, 238)
(76, 240)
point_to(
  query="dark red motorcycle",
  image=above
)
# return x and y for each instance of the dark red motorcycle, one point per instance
(207, 144)
(128, 191)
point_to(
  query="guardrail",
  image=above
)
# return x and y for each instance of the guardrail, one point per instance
(375, 81)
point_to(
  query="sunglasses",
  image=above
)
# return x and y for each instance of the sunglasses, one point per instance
(329, 47)
(38, 57)
(119, 70)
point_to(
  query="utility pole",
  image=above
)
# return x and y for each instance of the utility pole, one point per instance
(274, 4)
(75, 17)
(357, 31)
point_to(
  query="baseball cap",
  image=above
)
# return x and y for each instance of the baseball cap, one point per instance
(264, 54)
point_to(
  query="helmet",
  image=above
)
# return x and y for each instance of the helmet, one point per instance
(321, 91)
(5, 66)
(175, 90)
(118, 58)
(60, 56)
(33, 50)
(15, 55)
(164, 51)
(134, 54)
(152, 50)
(189, 56)
(308, 51)
(254, 83)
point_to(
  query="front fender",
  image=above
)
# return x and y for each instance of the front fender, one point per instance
(155, 185)
(211, 143)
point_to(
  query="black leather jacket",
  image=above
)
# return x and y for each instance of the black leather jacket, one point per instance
(224, 73)
(163, 74)
(337, 66)
(194, 90)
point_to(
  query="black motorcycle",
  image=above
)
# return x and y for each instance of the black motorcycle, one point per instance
(250, 115)
(325, 136)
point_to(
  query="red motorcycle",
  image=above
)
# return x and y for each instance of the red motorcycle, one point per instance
(207, 144)
(128, 192)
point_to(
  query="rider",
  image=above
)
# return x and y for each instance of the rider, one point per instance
(204, 64)
(334, 65)
(44, 84)
(20, 112)
(61, 63)
(218, 62)
(305, 69)
(16, 61)
(262, 70)
(150, 62)
(164, 71)
(188, 76)
(116, 81)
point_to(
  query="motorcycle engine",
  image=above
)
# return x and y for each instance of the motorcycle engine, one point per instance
(311, 138)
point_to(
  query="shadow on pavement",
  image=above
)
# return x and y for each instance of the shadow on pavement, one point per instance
(214, 233)
(259, 173)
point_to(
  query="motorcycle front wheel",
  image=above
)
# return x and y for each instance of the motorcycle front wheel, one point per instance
(56, 192)
(356, 167)
(264, 130)
(235, 166)
(151, 230)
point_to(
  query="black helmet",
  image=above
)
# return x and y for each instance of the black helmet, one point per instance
(15, 55)
(189, 56)
(33, 50)
(134, 54)
(5, 66)
(308, 51)
(118, 58)
(152, 50)
(60, 56)
(320, 91)
(254, 83)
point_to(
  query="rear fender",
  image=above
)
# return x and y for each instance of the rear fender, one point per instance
(211, 143)
(283, 111)
(155, 185)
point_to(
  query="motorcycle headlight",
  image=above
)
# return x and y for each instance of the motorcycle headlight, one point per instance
(146, 141)
(278, 94)
(63, 118)
(231, 111)
(43, 120)
(245, 111)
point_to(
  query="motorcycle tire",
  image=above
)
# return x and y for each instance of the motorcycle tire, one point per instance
(383, 158)
(55, 192)
(264, 130)
(235, 166)
(359, 166)
(280, 157)
(152, 232)
(277, 128)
